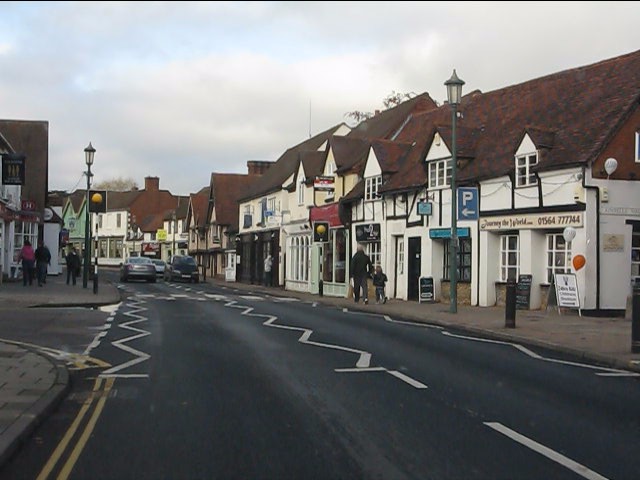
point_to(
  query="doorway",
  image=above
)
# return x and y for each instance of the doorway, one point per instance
(414, 261)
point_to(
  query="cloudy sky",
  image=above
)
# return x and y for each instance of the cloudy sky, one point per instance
(178, 90)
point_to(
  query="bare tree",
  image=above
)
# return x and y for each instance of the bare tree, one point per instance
(392, 100)
(119, 184)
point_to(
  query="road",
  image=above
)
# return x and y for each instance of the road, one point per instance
(206, 382)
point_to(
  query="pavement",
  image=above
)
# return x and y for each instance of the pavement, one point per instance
(32, 384)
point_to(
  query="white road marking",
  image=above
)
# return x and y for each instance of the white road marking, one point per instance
(314, 304)
(180, 295)
(110, 308)
(359, 370)
(121, 344)
(250, 297)
(615, 374)
(531, 354)
(124, 375)
(407, 379)
(546, 451)
(216, 297)
(285, 299)
(387, 318)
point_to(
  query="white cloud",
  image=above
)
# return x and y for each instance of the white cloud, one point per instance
(179, 90)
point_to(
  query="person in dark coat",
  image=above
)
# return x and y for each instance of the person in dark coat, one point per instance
(379, 281)
(28, 258)
(361, 270)
(43, 260)
(73, 265)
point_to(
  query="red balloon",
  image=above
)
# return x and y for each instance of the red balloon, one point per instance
(579, 261)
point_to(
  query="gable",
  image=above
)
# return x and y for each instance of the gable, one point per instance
(526, 146)
(438, 149)
(372, 167)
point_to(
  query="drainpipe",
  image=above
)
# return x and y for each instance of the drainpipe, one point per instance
(597, 192)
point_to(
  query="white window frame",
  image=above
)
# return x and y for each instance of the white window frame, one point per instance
(374, 252)
(554, 262)
(301, 191)
(505, 250)
(371, 186)
(525, 162)
(271, 204)
(400, 256)
(439, 174)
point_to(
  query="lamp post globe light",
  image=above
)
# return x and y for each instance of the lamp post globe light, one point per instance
(89, 153)
(454, 94)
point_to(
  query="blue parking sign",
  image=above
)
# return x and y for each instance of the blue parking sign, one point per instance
(468, 203)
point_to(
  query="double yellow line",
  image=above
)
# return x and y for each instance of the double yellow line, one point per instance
(97, 399)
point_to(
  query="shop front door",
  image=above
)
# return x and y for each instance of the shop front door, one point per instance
(414, 262)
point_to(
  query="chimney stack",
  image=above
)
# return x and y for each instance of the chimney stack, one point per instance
(152, 184)
(258, 167)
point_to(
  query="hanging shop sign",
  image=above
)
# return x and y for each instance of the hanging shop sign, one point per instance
(13, 169)
(425, 208)
(324, 183)
(463, 232)
(369, 232)
(531, 221)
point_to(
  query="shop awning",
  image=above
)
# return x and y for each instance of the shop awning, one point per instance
(326, 213)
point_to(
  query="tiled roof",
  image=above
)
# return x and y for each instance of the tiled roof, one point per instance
(227, 189)
(571, 114)
(199, 204)
(275, 176)
(152, 223)
(349, 153)
(121, 200)
(313, 163)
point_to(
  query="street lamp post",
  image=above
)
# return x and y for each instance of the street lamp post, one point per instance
(173, 229)
(89, 153)
(454, 93)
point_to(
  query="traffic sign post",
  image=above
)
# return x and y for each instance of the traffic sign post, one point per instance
(468, 204)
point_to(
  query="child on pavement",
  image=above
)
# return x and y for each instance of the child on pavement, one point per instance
(379, 281)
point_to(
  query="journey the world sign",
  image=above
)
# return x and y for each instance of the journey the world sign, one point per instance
(532, 221)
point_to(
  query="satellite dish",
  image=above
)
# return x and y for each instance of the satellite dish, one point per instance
(610, 165)
(569, 234)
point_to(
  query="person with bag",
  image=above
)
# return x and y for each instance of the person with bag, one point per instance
(28, 257)
(73, 265)
(360, 271)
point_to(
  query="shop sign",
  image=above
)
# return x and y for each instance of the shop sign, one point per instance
(324, 183)
(531, 221)
(369, 232)
(463, 232)
(161, 235)
(150, 249)
(425, 208)
(613, 242)
(624, 211)
(567, 290)
(28, 205)
(13, 169)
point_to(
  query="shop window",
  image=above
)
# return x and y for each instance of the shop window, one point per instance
(524, 176)
(372, 249)
(558, 255)
(400, 256)
(440, 174)
(103, 248)
(299, 257)
(335, 257)
(464, 260)
(118, 249)
(371, 186)
(24, 231)
(301, 191)
(509, 257)
(635, 257)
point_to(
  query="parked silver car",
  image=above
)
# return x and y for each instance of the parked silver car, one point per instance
(140, 268)
(160, 266)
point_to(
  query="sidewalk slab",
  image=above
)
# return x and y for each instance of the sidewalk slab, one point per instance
(31, 387)
(604, 341)
(56, 293)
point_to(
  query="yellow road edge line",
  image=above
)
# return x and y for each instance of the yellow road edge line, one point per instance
(82, 441)
(57, 453)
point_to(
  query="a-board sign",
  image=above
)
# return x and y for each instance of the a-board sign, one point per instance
(425, 289)
(566, 290)
(523, 292)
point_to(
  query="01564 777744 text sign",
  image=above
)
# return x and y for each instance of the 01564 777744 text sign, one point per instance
(532, 221)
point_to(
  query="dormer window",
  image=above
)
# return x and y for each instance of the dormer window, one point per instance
(524, 176)
(440, 174)
(301, 191)
(371, 186)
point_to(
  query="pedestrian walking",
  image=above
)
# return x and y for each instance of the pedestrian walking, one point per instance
(43, 259)
(379, 281)
(73, 265)
(360, 271)
(28, 258)
(268, 264)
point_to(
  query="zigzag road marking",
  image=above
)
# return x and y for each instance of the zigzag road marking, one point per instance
(121, 344)
(526, 351)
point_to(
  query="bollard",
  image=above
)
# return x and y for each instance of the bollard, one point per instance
(510, 306)
(95, 278)
(635, 320)
(320, 287)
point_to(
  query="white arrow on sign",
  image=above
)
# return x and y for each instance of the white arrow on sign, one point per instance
(466, 212)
